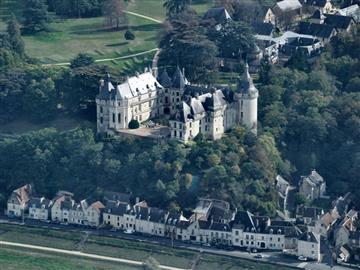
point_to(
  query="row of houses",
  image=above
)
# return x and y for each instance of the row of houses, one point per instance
(212, 222)
(24, 202)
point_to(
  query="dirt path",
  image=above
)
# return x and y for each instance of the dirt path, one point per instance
(81, 254)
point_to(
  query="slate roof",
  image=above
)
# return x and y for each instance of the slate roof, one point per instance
(117, 196)
(247, 86)
(157, 215)
(116, 208)
(315, 29)
(264, 29)
(178, 80)
(39, 203)
(132, 87)
(310, 212)
(165, 79)
(219, 15)
(287, 5)
(173, 218)
(183, 224)
(316, 3)
(310, 237)
(338, 21)
(244, 219)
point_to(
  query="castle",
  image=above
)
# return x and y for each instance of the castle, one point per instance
(190, 109)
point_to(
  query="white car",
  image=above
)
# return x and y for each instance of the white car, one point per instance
(258, 256)
(129, 231)
(302, 258)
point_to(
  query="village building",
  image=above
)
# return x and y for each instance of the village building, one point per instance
(351, 11)
(18, 202)
(39, 208)
(62, 204)
(217, 16)
(284, 14)
(309, 6)
(309, 246)
(312, 186)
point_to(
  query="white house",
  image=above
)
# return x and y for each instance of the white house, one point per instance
(18, 202)
(62, 204)
(309, 246)
(312, 186)
(39, 208)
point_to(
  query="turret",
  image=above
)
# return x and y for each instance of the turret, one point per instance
(247, 98)
(179, 80)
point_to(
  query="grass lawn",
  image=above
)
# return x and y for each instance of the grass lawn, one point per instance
(112, 247)
(69, 37)
(16, 259)
(72, 36)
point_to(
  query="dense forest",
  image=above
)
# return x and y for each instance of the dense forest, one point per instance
(309, 118)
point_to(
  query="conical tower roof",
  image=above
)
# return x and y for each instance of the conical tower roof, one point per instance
(247, 84)
(164, 79)
(178, 80)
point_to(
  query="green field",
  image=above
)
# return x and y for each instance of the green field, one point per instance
(106, 246)
(69, 37)
(19, 259)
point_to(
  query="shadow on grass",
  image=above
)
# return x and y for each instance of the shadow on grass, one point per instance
(146, 27)
(117, 44)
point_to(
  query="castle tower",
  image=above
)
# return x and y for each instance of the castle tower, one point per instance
(247, 98)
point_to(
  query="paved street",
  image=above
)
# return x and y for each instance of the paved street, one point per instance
(269, 257)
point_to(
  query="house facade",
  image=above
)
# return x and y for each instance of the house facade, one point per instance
(312, 186)
(39, 208)
(18, 202)
(309, 246)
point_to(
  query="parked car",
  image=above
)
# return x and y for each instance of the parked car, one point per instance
(302, 258)
(254, 250)
(129, 231)
(258, 256)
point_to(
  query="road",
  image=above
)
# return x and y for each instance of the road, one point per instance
(108, 59)
(143, 16)
(268, 256)
(82, 254)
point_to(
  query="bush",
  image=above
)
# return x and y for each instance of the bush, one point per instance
(134, 124)
(129, 35)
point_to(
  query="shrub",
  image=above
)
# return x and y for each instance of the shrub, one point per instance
(134, 124)
(129, 35)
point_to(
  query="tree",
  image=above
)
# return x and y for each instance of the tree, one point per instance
(14, 36)
(82, 60)
(35, 16)
(129, 35)
(40, 99)
(234, 40)
(186, 44)
(174, 7)
(134, 124)
(113, 11)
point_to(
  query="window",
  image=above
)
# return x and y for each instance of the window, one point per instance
(175, 135)
(101, 109)
(119, 117)
(190, 124)
(181, 134)
(279, 239)
(242, 115)
(101, 120)
(174, 124)
(113, 117)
